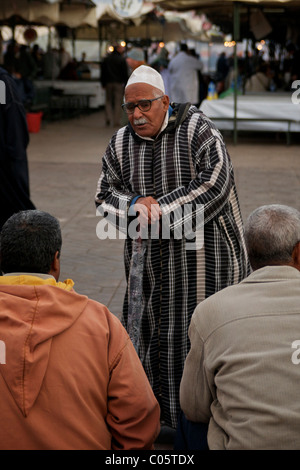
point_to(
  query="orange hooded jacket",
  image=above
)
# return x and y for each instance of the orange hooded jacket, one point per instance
(69, 375)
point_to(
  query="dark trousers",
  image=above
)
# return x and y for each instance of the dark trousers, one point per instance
(190, 435)
(113, 101)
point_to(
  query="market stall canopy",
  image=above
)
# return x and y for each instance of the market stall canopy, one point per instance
(71, 13)
(176, 26)
(184, 5)
(33, 11)
(107, 12)
(74, 13)
(153, 23)
(283, 16)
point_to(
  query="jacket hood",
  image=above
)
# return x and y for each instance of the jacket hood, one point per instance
(33, 311)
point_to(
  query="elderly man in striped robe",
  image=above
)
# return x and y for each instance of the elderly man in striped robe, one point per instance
(169, 167)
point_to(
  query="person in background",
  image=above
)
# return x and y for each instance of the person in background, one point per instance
(64, 57)
(291, 64)
(70, 71)
(160, 63)
(70, 378)
(171, 166)
(51, 64)
(135, 57)
(114, 75)
(1, 49)
(261, 80)
(37, 55)
(184, 80)
(83, 69)
(242, 373)
(221, 72)
(10, 57)
(27, 68)
(14, 139)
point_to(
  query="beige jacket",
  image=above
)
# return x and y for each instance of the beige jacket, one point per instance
(69, 375)
(242, 374)
(258, 82)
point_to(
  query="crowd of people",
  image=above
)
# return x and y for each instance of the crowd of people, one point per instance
(185, 79)
(182, 74)
(26, 64)
(257, 74)
(204, 348)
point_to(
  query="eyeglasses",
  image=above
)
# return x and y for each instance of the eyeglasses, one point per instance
(143, 105)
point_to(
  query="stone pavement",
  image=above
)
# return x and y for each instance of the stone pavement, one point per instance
(64, 165)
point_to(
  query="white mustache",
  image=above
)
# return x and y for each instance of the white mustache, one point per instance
(136, 122)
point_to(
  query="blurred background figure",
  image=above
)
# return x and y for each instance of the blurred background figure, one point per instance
(160, 62)
(37, 55)
(27, 70)
(261, 80)
(14, 139)
(135, 58)
(114, 75)
(83, 69)
(184, 80)
(221, 72)
(51, 67)
(291, 65)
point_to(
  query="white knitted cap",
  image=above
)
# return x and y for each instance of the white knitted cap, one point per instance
(146, 74)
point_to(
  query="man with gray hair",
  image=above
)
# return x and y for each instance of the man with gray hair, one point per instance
(70, 378)
(242, 374)
(171, 166)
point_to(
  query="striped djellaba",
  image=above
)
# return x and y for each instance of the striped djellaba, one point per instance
(186, 166)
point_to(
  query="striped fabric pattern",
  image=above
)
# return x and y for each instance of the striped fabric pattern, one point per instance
(186, 165)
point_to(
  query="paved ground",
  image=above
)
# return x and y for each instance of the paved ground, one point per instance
(65, 162)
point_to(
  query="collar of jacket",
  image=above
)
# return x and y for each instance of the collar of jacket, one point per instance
(178, 114)
(27, 279)
(272, 274)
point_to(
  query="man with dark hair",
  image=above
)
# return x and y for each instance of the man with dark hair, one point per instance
(14, 139)
(241, 376)
(30, 241)
(70, 378)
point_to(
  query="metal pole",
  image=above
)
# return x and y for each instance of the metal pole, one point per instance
(236, 35)
(100, 40)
